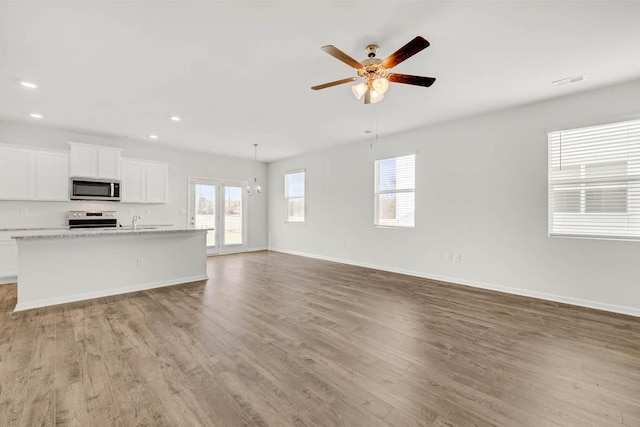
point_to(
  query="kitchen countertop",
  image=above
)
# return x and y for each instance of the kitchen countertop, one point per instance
(123, 231)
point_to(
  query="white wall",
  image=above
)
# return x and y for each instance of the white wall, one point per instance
(182, 164)
(481, 191)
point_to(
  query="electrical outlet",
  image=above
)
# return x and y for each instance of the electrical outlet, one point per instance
(456, 257)
(183, 211)
(147, 211)
(140, 262)
(24, 211)
(448, 257)
(345, 244)
(132, 212)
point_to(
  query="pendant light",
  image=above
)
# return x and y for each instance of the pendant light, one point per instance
(254, 188)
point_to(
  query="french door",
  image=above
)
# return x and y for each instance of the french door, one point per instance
(219, 206)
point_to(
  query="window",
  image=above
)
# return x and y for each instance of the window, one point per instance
(594, 181)
(395, 191)
(294, 195)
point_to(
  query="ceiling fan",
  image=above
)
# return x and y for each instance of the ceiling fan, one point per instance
(376, 71)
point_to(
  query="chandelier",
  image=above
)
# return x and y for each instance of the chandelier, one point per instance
(254, 188)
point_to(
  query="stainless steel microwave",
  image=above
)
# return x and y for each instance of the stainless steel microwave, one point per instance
(94, 189)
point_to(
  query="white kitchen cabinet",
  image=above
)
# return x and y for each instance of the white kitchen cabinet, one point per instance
(144, 182)
(94, 161)
(133, 185)
(17, 173)
(157, 182)
(52, 176)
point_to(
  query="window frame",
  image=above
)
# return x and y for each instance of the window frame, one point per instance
(621, 187)
(377, 192)
(287, 219)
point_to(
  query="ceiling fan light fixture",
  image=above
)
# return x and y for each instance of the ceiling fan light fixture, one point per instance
(380, 85)
(359, 90)
(375, 97)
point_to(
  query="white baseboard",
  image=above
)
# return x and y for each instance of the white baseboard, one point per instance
(632, 311)
(240, 251)
(6, 278)
(107, 292)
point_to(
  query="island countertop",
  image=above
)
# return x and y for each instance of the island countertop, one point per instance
(62, 233)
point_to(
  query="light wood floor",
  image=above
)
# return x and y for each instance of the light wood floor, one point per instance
(279, 340)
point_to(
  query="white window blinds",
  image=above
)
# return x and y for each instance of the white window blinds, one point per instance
(395, 181)
(294, 195)
(594, 181)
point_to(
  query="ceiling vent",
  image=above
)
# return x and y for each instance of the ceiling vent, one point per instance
(569, 80)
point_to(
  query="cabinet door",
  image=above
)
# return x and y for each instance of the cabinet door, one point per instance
(17, 174)
(108, 163)
(52, 176)
(157, 182)
(84, 161)
(133, 181)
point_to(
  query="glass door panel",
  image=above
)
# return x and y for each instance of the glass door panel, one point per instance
(233, 216)
(205, 211)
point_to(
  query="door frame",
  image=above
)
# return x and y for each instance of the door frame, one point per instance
(221, 247)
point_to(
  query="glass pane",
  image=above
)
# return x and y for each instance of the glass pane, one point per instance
(566, 201)
(233, 215)
(295, 210)
(396, 209)
(294, 185)
(606, 200)
(206, 210)
(396, 173)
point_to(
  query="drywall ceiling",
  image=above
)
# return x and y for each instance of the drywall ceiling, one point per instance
(240, 72)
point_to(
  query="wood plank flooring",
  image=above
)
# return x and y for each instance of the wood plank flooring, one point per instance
(278, 340)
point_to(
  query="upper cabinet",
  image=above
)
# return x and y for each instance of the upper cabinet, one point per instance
(144, 181)
(32, 174)
(94, 161)
(17, 173)
(52, 176)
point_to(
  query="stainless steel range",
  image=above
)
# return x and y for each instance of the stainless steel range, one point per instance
(93, 219)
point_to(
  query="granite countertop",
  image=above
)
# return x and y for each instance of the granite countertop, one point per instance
(65, 233)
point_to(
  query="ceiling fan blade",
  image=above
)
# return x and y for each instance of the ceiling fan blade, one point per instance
(405, 52)
(411, 80)
(340, 55)
(336, 83)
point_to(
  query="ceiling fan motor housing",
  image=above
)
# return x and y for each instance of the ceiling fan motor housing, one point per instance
(371, 50)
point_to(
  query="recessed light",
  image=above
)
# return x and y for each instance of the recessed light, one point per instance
(36, 115)
(175, 118)
(29, 85)
(153, 136)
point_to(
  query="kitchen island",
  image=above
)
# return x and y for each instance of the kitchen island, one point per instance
(60, 266)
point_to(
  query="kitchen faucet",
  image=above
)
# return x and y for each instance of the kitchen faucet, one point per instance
(134, 221)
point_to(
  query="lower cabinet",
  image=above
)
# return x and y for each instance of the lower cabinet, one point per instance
(8, 259)
(144, 182)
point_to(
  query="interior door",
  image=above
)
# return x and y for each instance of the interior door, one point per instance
(203, 210)
(219, 206)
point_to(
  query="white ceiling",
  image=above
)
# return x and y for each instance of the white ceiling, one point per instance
(239, 72)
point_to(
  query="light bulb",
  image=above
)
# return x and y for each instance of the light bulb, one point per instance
(381, 85)
(375, 97)
(359, 90)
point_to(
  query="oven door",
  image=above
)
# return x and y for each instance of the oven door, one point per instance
(90, 189)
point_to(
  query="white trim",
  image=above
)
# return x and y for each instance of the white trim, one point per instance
(631, 311)
(107, 292)
(262, 248)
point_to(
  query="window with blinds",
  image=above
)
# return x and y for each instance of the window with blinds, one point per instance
(294, 195)
(395, 182)
(594, 181)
